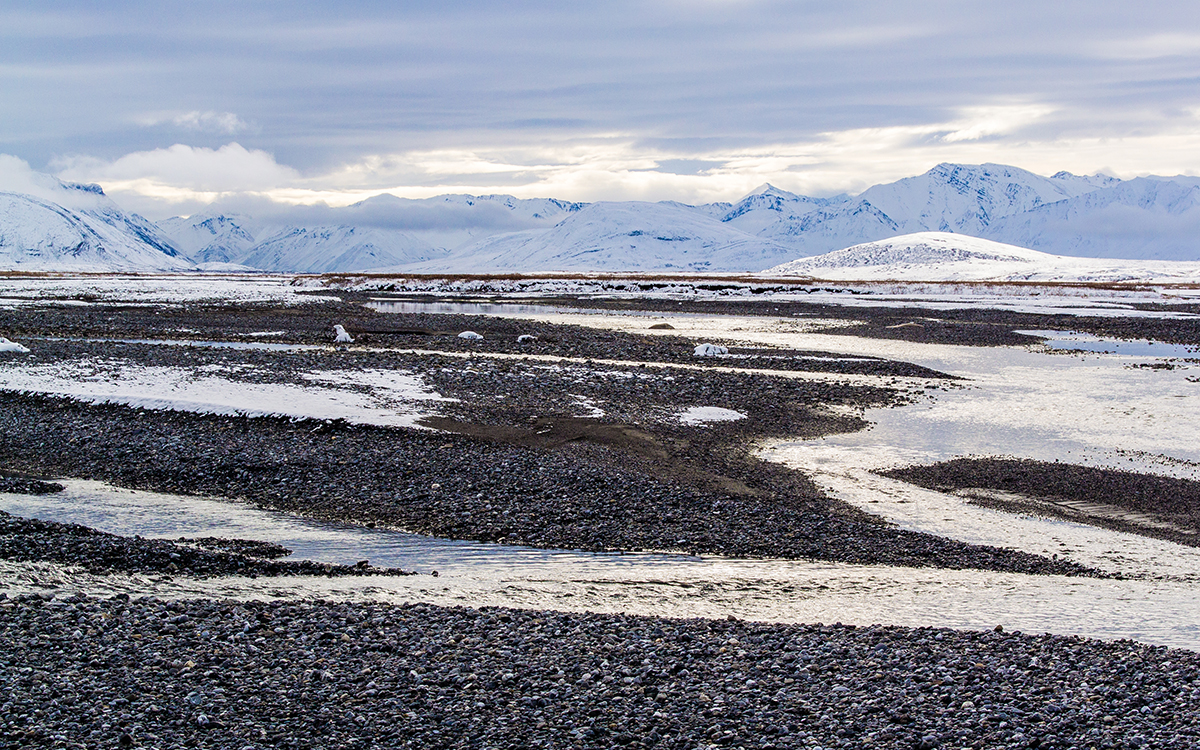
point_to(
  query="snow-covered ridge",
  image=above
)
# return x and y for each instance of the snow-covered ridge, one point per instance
(622, 236)
(37, 234)
(942, 256)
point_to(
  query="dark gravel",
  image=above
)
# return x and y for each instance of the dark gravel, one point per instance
(524, 467)
(27, 540)
(966, 326)
(563, 484)
(1170, 501)
(81, 672)
(313, 324)
(27, 485)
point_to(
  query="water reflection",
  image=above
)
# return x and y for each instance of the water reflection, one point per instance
(1075, 341)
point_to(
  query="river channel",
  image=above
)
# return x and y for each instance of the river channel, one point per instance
(1093, 408)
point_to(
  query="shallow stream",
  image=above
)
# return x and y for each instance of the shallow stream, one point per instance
(474, 574)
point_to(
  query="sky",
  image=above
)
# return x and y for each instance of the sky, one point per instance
(175, 107)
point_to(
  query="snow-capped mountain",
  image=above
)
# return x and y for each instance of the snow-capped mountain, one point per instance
(381, 231)
(621, 236)
(213, 238)
(455, 221)
(336, 249)
(1148, 218)
(944, 256)
(81, 230)
(966, 199)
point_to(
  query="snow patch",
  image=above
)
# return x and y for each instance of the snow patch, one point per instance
(11, 346)
(376, 397)
(698, 415)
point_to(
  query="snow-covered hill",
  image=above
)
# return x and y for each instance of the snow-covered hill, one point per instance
(80, 229)
(943, 256)
(617, 237)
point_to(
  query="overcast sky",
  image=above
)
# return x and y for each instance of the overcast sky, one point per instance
(173, 105)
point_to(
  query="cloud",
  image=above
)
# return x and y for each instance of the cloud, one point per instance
(183, 179)
(321, 86)
(220, 123)
(179, 175)
(16, 176)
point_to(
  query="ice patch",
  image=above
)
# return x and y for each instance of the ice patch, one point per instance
(11, 346)
(698, 415)
(377, 397)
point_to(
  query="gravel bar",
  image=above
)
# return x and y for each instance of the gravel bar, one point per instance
(1158, 506)
(560, 483)
(80, 672)
(29, 540)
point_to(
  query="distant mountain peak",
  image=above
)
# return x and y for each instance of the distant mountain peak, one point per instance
(84, 187)
(768, 189)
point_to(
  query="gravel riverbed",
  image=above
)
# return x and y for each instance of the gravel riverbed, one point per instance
(528, 468)
(82, 672)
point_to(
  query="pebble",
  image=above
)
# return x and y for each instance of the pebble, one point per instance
(489, 677)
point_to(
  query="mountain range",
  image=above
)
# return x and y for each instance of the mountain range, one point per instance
(77, 227)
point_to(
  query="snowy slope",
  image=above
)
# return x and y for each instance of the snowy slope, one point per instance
(942, 256)
(1148, 218)
(617, 237)
(968, 198)
(88, 233)
(766, 206)
(336, 249)
(213, 237)
(950, 197)
(383, 230)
